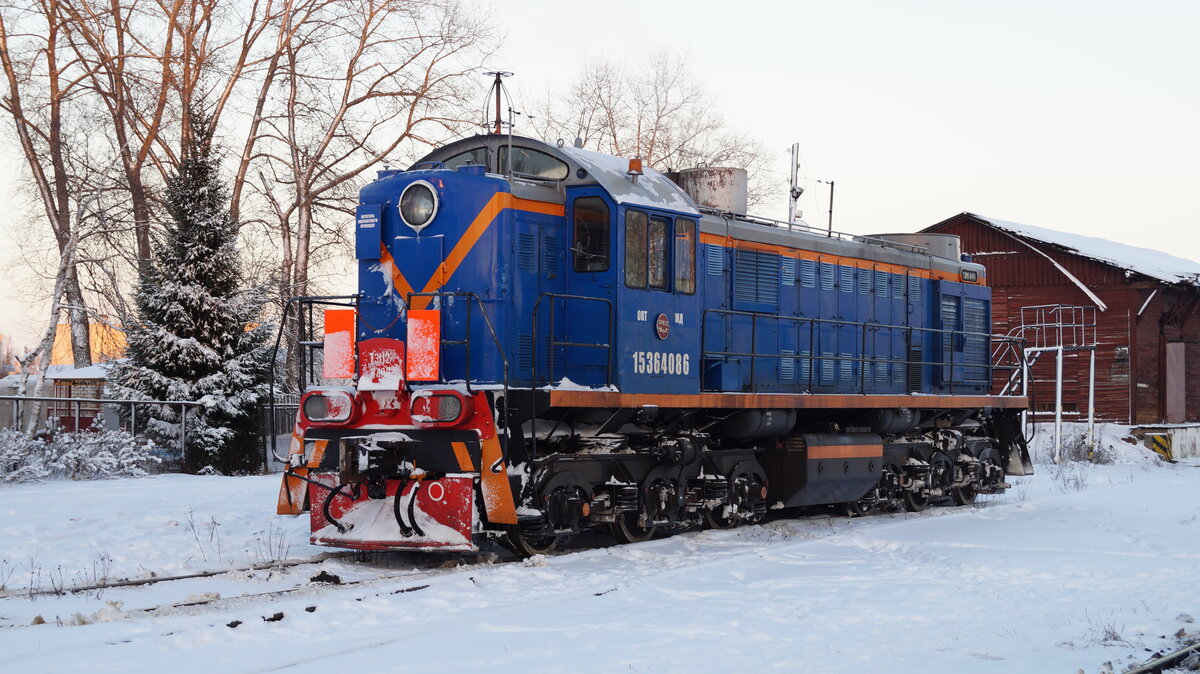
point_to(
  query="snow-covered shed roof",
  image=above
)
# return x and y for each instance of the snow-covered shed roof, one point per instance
(1152, 263)
(98, 371)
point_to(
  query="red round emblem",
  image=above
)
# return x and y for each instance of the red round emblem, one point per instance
(662, 326)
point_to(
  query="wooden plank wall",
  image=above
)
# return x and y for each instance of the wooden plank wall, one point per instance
(1130, 349)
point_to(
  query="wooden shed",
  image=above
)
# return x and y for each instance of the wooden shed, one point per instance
(1147, 328)
(86, 383)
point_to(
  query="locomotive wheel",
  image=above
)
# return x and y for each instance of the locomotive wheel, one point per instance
(745, 490)
(942, 475)
(964, 495)
(626, 529)
(915, 502)
(528, 540)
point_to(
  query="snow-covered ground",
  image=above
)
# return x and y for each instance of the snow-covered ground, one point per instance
(1075, 567)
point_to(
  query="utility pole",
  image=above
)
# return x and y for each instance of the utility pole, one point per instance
(830, 209)
(795, 190)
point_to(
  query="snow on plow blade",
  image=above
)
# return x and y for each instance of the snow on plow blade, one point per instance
(433, 515)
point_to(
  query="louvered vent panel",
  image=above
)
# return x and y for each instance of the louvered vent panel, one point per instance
(756, 277)
(550, 259)
(808, 273)
(768, 278)
(787, 367)
(524, 352)
(828, 365)
(881, 283)
(745, 276)
(864, 281)
(827, 276)
(975, 350)
(788, 269)
(916, 381)
(914, 289)
(714, 259)
(847, 280)
(950, 313)
(527, 252)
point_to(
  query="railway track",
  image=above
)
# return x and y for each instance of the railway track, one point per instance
(154, 580)
(1168, 661)
(414, 567)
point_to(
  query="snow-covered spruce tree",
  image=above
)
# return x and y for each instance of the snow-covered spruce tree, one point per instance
(195, 337)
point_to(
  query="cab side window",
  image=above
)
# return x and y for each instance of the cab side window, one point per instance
(657, 258)
(656, 253)
(685, 256)
(635, 249)
(590, 245)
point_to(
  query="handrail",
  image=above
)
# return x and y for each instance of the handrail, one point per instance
(806, 228)
(533, 381)
(351, 301)
(533, 349)
(862, 359)
(466, 343)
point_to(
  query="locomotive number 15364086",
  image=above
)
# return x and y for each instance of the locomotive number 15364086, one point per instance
(658, 362)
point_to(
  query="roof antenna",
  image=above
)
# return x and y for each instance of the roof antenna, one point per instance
(498, 87)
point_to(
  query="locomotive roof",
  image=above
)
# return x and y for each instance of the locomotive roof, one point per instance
(864, 248)
(652, 189)
(655, 190)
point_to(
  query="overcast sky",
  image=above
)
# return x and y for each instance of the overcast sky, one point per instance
(1075, 116)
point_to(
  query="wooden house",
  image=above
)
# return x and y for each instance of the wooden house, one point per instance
(1146, 323)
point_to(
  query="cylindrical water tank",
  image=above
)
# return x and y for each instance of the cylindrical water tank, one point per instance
(716, 187)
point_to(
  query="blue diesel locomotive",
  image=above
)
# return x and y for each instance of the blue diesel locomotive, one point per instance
(547, 339)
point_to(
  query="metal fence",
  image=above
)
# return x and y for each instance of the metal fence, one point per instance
(53, 414)
(56, 414)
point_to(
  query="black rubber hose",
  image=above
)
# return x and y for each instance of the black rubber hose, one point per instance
(412, 505)
(329, 516)
(404, 530)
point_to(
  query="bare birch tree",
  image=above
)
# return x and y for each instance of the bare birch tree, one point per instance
(657, 112)
(355, 82)
(308, 95)
(42, 85)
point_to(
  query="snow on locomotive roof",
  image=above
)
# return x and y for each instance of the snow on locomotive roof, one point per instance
(1144, 261)
(652, 189)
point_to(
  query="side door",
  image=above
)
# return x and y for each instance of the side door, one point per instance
(658, 306)
(576, 315)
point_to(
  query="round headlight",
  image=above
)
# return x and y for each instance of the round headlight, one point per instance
(316, 408)
(449, 408)
(418, 205)
(327, 406)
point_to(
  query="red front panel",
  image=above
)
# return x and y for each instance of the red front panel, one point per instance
(443, 511)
